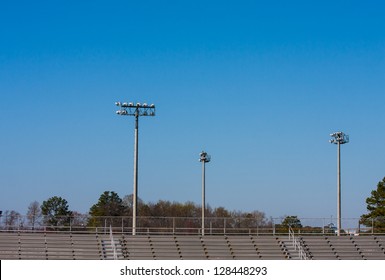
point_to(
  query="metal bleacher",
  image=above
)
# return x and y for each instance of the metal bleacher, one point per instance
(59, 246)
(138, 247)
(86, 247)
(217, 247)
(9, 246)
(32, 246)
(94, 246)
(165, 247)
(191, 247)
(270, 247)
(243, 247)
(371, 247)
(344, 247)
(318, 248)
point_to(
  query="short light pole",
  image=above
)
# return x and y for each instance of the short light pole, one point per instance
(137, 110)
(204, 157)
(339, 138)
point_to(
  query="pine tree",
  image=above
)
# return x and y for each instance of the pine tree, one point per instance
(376, 208)
(109, 205)
(55, 211)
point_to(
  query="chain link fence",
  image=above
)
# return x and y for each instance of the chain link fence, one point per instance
(190, 225)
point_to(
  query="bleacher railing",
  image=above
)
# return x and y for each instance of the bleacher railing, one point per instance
(297, 245)
(191, 225)
(113, 245)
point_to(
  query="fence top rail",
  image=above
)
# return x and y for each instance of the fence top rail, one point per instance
(189, 225)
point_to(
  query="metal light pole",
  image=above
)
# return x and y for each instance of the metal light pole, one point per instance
(136, 110)
(204, 157)
(339, 138)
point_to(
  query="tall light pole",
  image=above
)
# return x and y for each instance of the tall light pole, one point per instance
(137, 110)
(339, 138)
(204, 157)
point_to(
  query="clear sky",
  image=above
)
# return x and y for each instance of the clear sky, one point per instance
(259, 85)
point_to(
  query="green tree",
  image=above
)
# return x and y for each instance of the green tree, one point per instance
(292, 221)
(376, 208)
(289, 222)
(109, 205)
(55, 211)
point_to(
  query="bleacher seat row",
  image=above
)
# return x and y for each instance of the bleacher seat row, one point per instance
(344, 247)
(93, 246)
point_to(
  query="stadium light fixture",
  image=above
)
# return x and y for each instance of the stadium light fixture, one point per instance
(204, 158)
(339, 138)
(137, 110)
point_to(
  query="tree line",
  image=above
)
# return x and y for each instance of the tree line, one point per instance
(55, 212)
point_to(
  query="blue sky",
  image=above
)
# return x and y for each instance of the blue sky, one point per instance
(259, 85)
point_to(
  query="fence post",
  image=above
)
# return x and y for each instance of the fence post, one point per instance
(372, 225)
(323, 226)
(173, 225)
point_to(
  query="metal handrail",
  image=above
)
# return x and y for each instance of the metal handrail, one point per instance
(113, 245)
(297, 245)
